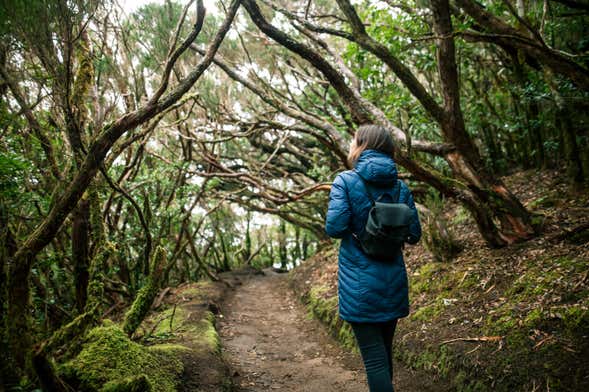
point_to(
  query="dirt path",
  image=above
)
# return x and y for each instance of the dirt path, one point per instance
(271, 344)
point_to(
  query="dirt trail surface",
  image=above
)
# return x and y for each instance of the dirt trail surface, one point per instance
(271, 344)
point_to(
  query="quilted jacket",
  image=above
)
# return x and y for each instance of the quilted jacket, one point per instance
(369, 290)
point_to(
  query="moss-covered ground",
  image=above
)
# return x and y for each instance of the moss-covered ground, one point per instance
(176, 348)
(491, 320)
(109, 357)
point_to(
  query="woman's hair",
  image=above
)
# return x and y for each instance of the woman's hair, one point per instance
(370, 137)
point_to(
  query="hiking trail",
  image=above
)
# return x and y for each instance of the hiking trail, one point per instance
(270, 343)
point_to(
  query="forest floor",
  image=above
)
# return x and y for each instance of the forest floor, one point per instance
(506, 319)
(271, 343)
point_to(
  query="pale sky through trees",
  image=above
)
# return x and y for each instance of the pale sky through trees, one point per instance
(132, 5)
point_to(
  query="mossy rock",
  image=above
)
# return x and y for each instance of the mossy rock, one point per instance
(109, 359)
(196, 327)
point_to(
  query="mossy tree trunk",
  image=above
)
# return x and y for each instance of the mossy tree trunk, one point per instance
(247, 246)
(80, 251)
(437, 236)
(7, 248)
(75, 119)
(147, 293)
(296, 249)
(67, 337)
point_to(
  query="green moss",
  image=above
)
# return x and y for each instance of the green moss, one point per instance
(140, 307)
(146, 294)
(540, 313)
(132, 384)
(576, 319)
(109, 356)
(545, 201)
(207, 334)
(179, 322)
(346, 337)
(432, 359)
(464, 383)
(171, 321)
(462, 215)
(428, 312)
(70, 332)
(535, 316)
(325, 308)
(192, 291)
(432, 277)
(544, 278)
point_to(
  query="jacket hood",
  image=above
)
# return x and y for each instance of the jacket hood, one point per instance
(377, 167)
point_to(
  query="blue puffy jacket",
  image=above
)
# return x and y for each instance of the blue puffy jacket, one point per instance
(369, 290)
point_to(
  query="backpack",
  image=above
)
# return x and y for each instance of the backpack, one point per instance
(387, 227)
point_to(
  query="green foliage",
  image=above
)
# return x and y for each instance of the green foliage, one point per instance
(509, 105)
(12, 169)
(151, 27)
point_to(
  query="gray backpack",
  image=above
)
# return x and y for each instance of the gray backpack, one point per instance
(387, 227)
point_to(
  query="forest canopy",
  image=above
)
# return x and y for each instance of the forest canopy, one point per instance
(145, 149)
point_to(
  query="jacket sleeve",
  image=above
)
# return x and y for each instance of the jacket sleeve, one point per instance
(415, 226)
(339, 213)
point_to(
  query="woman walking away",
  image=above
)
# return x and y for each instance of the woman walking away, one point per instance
(373, 291)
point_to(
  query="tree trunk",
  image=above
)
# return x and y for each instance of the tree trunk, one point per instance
(8, 372)
(495, 200)
(247, 250)
(305, 247)
(282, 245)
(80, 251)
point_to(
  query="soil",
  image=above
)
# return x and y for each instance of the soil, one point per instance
(270, 343)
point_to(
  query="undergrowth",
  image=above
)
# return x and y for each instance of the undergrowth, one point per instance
(492, 319)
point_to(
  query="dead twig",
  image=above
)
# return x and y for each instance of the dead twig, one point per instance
(479, 339)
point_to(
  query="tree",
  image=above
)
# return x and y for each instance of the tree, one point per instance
(67, 199)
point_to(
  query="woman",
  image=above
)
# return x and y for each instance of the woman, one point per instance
(372, 294)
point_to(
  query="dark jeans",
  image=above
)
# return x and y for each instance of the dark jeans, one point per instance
(376, 342)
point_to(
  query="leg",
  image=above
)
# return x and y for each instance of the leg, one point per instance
(374, 354)
(388, 331)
